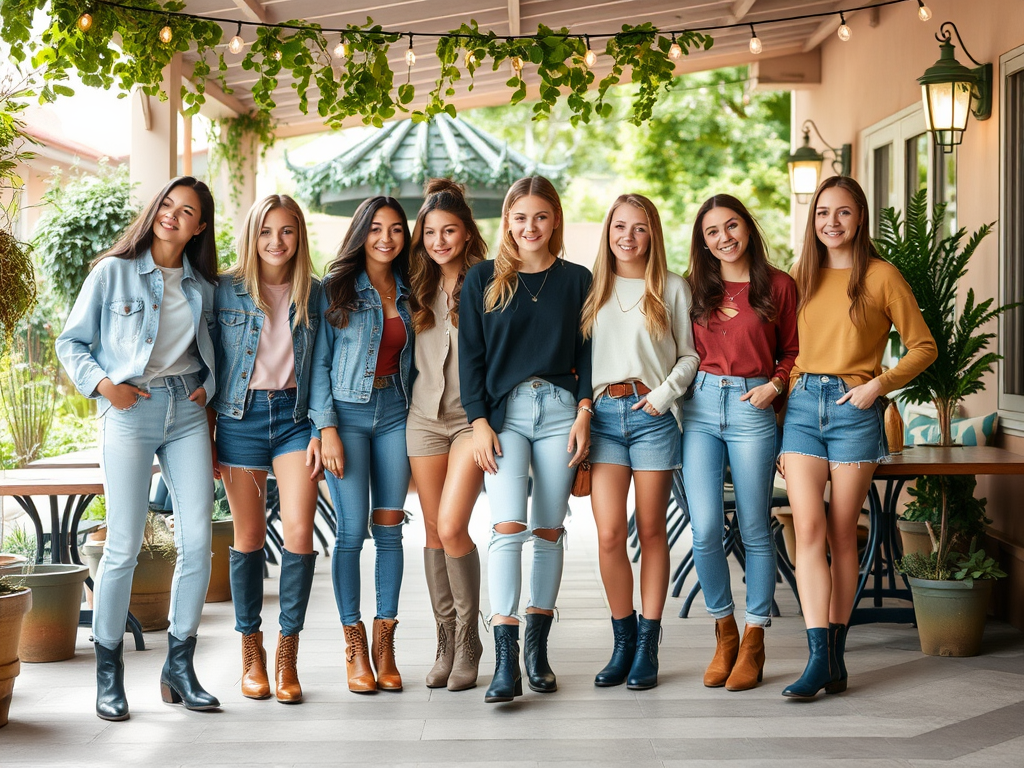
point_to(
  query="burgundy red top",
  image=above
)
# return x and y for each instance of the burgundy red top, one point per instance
(392, 341)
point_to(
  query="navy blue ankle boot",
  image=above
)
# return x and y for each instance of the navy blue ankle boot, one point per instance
(535, 653)
(111, 703)
(623, 651)
(837, 646)
(644, 672)
(818, 672)
(507, 682)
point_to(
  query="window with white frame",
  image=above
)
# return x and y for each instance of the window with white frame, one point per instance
(1011, 240)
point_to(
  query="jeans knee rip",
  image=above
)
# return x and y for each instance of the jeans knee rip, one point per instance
(562, 541)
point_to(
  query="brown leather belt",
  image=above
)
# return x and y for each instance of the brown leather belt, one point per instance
(625, 389)
(383, 382)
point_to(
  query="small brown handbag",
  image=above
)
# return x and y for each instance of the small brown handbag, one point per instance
(581, 485)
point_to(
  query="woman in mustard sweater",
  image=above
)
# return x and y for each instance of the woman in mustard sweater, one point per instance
(849, 298)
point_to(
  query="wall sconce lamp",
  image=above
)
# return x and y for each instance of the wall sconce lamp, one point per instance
(952, 91)
(805, 163)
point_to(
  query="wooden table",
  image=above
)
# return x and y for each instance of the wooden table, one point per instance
(884, 547)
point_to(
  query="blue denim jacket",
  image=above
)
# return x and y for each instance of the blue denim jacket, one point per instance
(344, 359)
(236, 339)
(112, 327)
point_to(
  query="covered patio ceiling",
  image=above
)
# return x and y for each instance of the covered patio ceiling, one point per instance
(512, 17)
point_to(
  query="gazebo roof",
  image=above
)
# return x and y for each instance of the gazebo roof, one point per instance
(401, 156)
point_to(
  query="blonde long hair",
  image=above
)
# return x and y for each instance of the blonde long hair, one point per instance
(507, 262)
(247, 269)
(655, 274)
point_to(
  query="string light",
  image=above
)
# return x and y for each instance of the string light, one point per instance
(589, 58)
(755, 42)
(410, 55)
(341, 49)
(675, 52)
(845, 33)
(85, 21)
(166, 34)
(237, 43)
(924, 13)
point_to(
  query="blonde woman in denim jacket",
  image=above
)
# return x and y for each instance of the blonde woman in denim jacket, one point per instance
(138, 340)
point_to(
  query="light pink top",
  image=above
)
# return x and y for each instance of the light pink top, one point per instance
(275, 357)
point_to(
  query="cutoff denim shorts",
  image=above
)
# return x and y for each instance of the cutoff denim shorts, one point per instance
(635, 439)
(266, 430)
(840, 434)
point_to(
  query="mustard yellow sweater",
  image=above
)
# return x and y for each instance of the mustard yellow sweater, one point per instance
(831, 343)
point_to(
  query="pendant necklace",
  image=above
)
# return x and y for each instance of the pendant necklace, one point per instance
(729, 305)
(732, 299)
(533, 295)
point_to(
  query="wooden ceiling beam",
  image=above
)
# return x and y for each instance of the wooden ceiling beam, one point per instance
(253, 10)
(740, 9)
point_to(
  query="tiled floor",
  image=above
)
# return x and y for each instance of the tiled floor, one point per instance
(902, 708)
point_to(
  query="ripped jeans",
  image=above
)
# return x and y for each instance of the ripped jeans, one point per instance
(535, 435)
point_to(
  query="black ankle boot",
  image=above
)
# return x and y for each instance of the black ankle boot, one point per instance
(111, 703)
(644, 672)
(818, 672)
(837, 647)
(507, 682)
(623, 651)
(178, 683)
(535, 653)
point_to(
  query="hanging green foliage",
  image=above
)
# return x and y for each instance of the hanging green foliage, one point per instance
(232, 138)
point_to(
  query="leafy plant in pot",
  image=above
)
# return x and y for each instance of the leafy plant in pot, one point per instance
(15, 602)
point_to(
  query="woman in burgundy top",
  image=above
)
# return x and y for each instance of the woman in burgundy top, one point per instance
(744, 328)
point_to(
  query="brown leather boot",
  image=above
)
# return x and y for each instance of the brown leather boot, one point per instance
(255, 684)
(464, 577)
(749, 667)
(382, 650)
(728, 641)
(436, 570)
(287, 676)
(357, 660)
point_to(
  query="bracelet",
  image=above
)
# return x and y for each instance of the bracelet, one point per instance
(778, 389)
(586, 408)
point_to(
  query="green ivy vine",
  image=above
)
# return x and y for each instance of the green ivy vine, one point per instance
(229, 140)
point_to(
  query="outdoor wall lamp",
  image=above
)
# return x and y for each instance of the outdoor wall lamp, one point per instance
(951, 91)
(805, 163)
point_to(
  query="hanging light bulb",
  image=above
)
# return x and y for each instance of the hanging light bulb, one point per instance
(85, 21)
(236, 43)
(845, 33)
(755, 41)
(276, 55)
(924, 13)
(675, 52)
(341, 49)
(410, 55)
(589, 58)
(166, 34)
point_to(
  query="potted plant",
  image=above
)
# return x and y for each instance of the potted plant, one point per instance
(50, 628)
(15, 601)
(223, 536)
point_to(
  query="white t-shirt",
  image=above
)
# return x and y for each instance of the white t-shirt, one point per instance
(174, 348)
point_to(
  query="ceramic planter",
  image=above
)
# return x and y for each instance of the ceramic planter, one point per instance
(220, 570)
(950, 615)
(50, 628)
(151, 585)
(915, 538)
(12, 611)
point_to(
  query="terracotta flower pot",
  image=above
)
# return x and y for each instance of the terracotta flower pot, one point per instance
(151, 585)
(12, 611)
(950, 615)
(50, 629)
(915, 538)
(220, 571)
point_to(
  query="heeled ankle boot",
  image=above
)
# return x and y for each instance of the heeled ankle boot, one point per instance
(623, 653)
(286, 674)
(507, 682)
(727, 644)
(749, 667)
(535, 653)
(255, 684)
(178, 681)
(382, 651)
(111, 702)
(357, 660)
(443, 604)
(837, 646)
(643, 674)
(818, 673)
(464, 580)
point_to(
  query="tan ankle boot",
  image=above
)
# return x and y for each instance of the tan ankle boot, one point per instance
(749, 667)
(464, 577)
(255, 684)
(382, 651)
(444, 615)
(728, 641)
(285, 672)
(357, 660)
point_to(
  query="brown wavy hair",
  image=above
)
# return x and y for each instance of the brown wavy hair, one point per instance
(807, 271)
(503, 285)
(705, 272)
(425, 275)
(655, 274)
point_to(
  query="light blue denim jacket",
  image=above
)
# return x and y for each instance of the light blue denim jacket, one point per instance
(236, 339)
(112, 327)
(345, 359)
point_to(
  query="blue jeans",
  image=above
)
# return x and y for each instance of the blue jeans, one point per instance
(174, 428)
(717, 428)
(377, 468)
(538, 419)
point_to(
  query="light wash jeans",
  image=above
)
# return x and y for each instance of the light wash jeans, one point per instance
(377, 468)
(174, 428)
(538, 419)
(717, 428)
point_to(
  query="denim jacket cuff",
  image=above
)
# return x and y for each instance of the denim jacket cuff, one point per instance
(89, 381)
(322, 419)
(210, 385)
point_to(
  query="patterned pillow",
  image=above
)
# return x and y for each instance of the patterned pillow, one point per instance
(921, 429)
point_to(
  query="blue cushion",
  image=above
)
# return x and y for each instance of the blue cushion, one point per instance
(920, 429)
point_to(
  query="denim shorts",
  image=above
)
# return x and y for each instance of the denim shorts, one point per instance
(266, 430)
(635, 439)
(840, 434)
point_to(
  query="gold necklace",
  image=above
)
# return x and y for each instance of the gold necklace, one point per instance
(390, 293)
(622, 309)
(733, 297)
(533, 295)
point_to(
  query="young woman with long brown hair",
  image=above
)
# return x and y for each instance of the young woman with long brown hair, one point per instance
(744, 324)
(524, 370)
(834, 430)
(638, 319)
(445, 244)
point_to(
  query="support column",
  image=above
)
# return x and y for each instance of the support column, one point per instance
(154, 152)
(239, 182)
